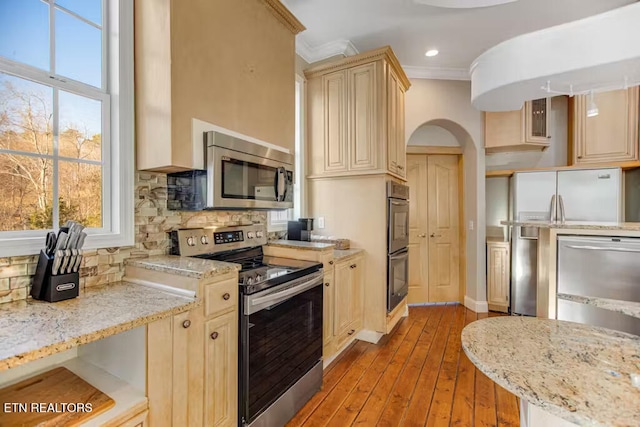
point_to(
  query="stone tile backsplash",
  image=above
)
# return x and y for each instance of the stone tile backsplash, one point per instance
(152, 222)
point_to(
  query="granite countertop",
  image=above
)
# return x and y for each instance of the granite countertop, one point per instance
(345, 254)
(626, 307)
(31, 329)
(577, 225)
(295, 244)
(577, 372)
(184, 266)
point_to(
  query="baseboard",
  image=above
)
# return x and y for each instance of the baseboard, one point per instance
(477, 306)
(369, 336)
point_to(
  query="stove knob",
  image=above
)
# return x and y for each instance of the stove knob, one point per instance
(204, 240)
(258, 277)
(191, 241)
(250, 235)
(260, 234)
(249, 281)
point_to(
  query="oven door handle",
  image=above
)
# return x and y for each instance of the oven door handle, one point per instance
(258, 303)
(399, 256)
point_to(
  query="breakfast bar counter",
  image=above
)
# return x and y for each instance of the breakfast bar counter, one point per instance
(565, 373)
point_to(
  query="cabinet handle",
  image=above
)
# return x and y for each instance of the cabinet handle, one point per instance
(400, 167)
(214, 335)
(354, 265)
(186, 324)
(330, 262)
(326, 284)
(579, 157)
(226, 296)
(351, 332)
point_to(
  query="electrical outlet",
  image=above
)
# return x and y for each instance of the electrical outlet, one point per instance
(471, 225)
(320, 222)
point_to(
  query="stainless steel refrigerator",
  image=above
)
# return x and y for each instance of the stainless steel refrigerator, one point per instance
(593, 195)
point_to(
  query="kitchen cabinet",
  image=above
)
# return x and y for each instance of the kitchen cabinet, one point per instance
(498, 276)
(523, 130)
(356, 116)
(612, 135)
(246, 86)
(348, 300)
(139, 420)
(221, 378)
(192, 361)
(327, 313)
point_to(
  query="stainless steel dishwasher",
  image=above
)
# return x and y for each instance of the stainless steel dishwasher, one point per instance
(604, 267)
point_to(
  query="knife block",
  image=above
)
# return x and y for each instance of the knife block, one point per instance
(52, 288)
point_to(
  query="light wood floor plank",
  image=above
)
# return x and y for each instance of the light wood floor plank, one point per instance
(416, 376)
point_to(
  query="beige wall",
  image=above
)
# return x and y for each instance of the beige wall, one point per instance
(447, 104)
(429, 135)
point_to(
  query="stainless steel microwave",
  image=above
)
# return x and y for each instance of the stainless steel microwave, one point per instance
(239, 175)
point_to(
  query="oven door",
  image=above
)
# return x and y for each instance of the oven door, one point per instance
(398, 225)
(398, 278)
(237, 180)
(280, 341)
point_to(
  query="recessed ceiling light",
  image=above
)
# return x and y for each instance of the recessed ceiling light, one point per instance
(432, 52)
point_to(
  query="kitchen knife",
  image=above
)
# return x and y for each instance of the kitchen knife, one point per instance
(72, 260)
(57, 259)
(61, 243)
(50, 246)
(65, 261)
(76, 267)
(80, 242)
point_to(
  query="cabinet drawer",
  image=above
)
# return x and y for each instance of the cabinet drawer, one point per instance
(342, 339)
(220, 297)
(140, 420)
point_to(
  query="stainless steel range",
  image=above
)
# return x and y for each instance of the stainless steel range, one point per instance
(280, 322)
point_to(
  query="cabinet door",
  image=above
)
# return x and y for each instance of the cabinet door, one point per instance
(180, 386)
(334, 87)
(498, 277)
(537, 120)
(392, 122)
(342, 298)
(612, 135)
(401, 150)
(363, 126)
(221, 371)
(327, 312)
(357, 295)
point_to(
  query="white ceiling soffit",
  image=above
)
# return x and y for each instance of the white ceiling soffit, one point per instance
(597, 53)
(462, 4)
(324, 51)
(436, 73)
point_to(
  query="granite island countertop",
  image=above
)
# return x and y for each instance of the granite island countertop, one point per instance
(184, 266)
(31, 329)
(577, 372)
(625, 307)
(577, 225)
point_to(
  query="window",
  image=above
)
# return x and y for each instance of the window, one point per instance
(277, 220)
(66, 121)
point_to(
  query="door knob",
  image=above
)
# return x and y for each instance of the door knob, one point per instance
(435, 235)
(422, 235)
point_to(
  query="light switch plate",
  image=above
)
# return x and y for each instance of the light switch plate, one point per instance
(471, 225)
(320, 222)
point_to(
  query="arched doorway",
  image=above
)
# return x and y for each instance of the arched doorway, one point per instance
(436, 171)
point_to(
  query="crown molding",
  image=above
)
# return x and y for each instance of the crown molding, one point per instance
(384, 53)
(324, 51)
(284, 15)
(436, 73)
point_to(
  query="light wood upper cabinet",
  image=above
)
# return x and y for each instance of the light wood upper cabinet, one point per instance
(356, 116)
(221, 377)
(612, 135)
(186, 68)
(498, 276)
(523, 130)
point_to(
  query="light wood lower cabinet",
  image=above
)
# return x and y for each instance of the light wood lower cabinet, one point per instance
(498, 276)
(221, 371)
(192, 362)
(327, 312)
(139, 420)
(348, 300)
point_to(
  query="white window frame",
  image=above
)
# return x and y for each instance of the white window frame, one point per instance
(276, 222)
(117, 134)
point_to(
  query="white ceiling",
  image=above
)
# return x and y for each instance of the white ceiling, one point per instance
(460, 35)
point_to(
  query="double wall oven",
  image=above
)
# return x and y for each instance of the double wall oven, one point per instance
(397, 243)
(280, 321)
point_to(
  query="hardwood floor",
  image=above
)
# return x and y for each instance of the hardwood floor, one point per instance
(416, 376)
